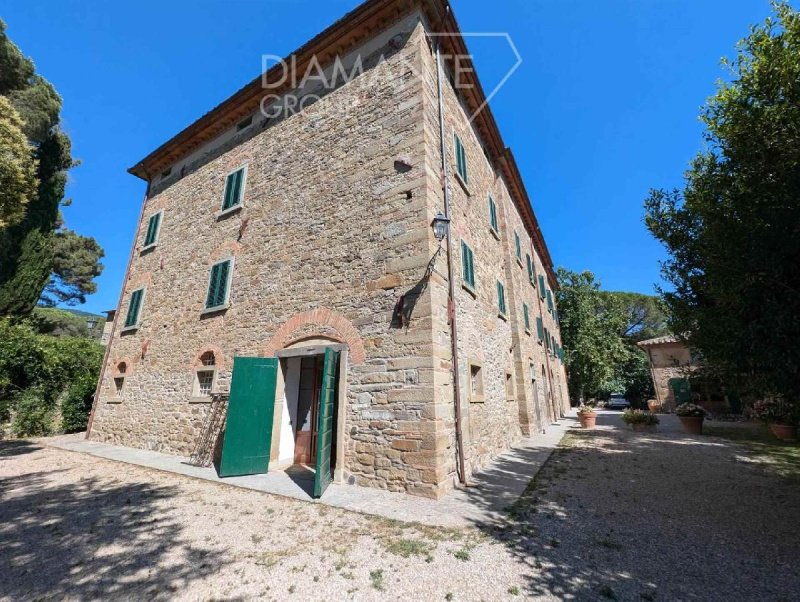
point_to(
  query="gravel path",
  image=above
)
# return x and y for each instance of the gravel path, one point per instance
(624, 516)
(611, 516)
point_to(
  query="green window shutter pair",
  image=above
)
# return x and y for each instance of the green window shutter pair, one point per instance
(152, 229)
(135, 305)
(540, 329)
(467, 265)
(493, 214)
(501, 298)
(547, 338)
(530, 268)
(517, 246)
(461, 159)
(218, 284)
(541, 286)
(526, 316)
(549, 301)
(233, 189)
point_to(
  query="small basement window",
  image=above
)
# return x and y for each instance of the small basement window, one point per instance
(475, 383)
(205, 376)
(509, 386)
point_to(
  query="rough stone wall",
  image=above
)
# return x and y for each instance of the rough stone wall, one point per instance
(332, 229)
(498, 345)
(671, 360)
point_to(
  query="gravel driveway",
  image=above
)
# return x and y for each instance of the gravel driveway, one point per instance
(611, 516)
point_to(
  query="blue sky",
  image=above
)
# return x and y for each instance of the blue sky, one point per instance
(603, 107)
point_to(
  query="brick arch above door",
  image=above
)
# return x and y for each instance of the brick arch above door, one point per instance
(322, 323)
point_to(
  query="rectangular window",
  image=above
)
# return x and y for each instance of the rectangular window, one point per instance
(549, 301)
(517, 246)
(234, 189)
(467, 265)
(119, 382)
(152, 230)
(493, 215)
(219, 284)
(527, 317)
(461, 159)
(205, 381)
(134, 308)
(509, 386)
(475, 382)
(547, 339)
(531, 275)
(541, 286)
(501, 298)
(540, 329)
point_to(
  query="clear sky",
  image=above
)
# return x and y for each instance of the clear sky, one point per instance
(603, 107)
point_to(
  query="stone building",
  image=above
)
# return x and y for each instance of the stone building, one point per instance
(269, 233)
(670, 367)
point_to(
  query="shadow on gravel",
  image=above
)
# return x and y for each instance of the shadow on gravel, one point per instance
(653, 517)
(92, 540)
(17, 447)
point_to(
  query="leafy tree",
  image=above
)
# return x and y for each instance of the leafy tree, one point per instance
(590, 331)
(645, 316)
(733, 232)
(76, 263)
(33, 250)
(17, 166)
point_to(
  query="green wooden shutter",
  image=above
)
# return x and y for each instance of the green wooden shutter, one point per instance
(530, 267)
(152, 229)
(541, 286)
(467, 265)
(549, 301)
(527, 316)
(132, 319)
(325, 420)
(251, 408)
(218, 284)
(501, 298)
(517, 246)
(547, 338)
(540, 329)
(493, 214)
(233, 189)
(461, 159)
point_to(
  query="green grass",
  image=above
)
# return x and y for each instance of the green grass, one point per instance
(376, 577)
(778, 456)
(406, 547)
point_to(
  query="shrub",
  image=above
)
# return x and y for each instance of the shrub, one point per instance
(639, 417)
(36, 370)
(774, 410)
(77, 404)
(691, 410)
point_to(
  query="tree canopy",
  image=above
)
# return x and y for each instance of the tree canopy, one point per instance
(733, 233)
(38, 254)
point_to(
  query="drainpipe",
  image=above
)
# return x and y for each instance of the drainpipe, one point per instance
(116, 315)
(451, 299)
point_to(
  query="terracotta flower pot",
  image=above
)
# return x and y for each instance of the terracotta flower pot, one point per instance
(692, 424)
(644, 428)
(784, 432)
(653, 406)
(588, 420)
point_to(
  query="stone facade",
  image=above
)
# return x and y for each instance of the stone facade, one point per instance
(669, 358)
(333, 243)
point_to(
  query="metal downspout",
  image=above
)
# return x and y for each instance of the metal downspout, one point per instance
(451, 305)
(116, 315)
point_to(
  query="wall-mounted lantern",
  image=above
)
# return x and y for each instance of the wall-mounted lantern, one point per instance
(441, 226)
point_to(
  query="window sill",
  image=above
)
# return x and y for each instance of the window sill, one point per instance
(502, 316)
(528, 332)
(494, 232)
(229, 211)
(214, 310)
(463, 184)
(148, 248)
(519, 261)
(201, 399)
(133, 328)
(477, 399)
(114, 401)
(469, 289)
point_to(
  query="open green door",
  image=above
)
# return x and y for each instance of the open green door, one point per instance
(327, 407)
(681, 390)
(251, 407)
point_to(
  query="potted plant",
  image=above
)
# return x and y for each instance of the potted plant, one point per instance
(587, 416)
(691, 416)
(640, 421)
(653, 405)
(779, 416)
